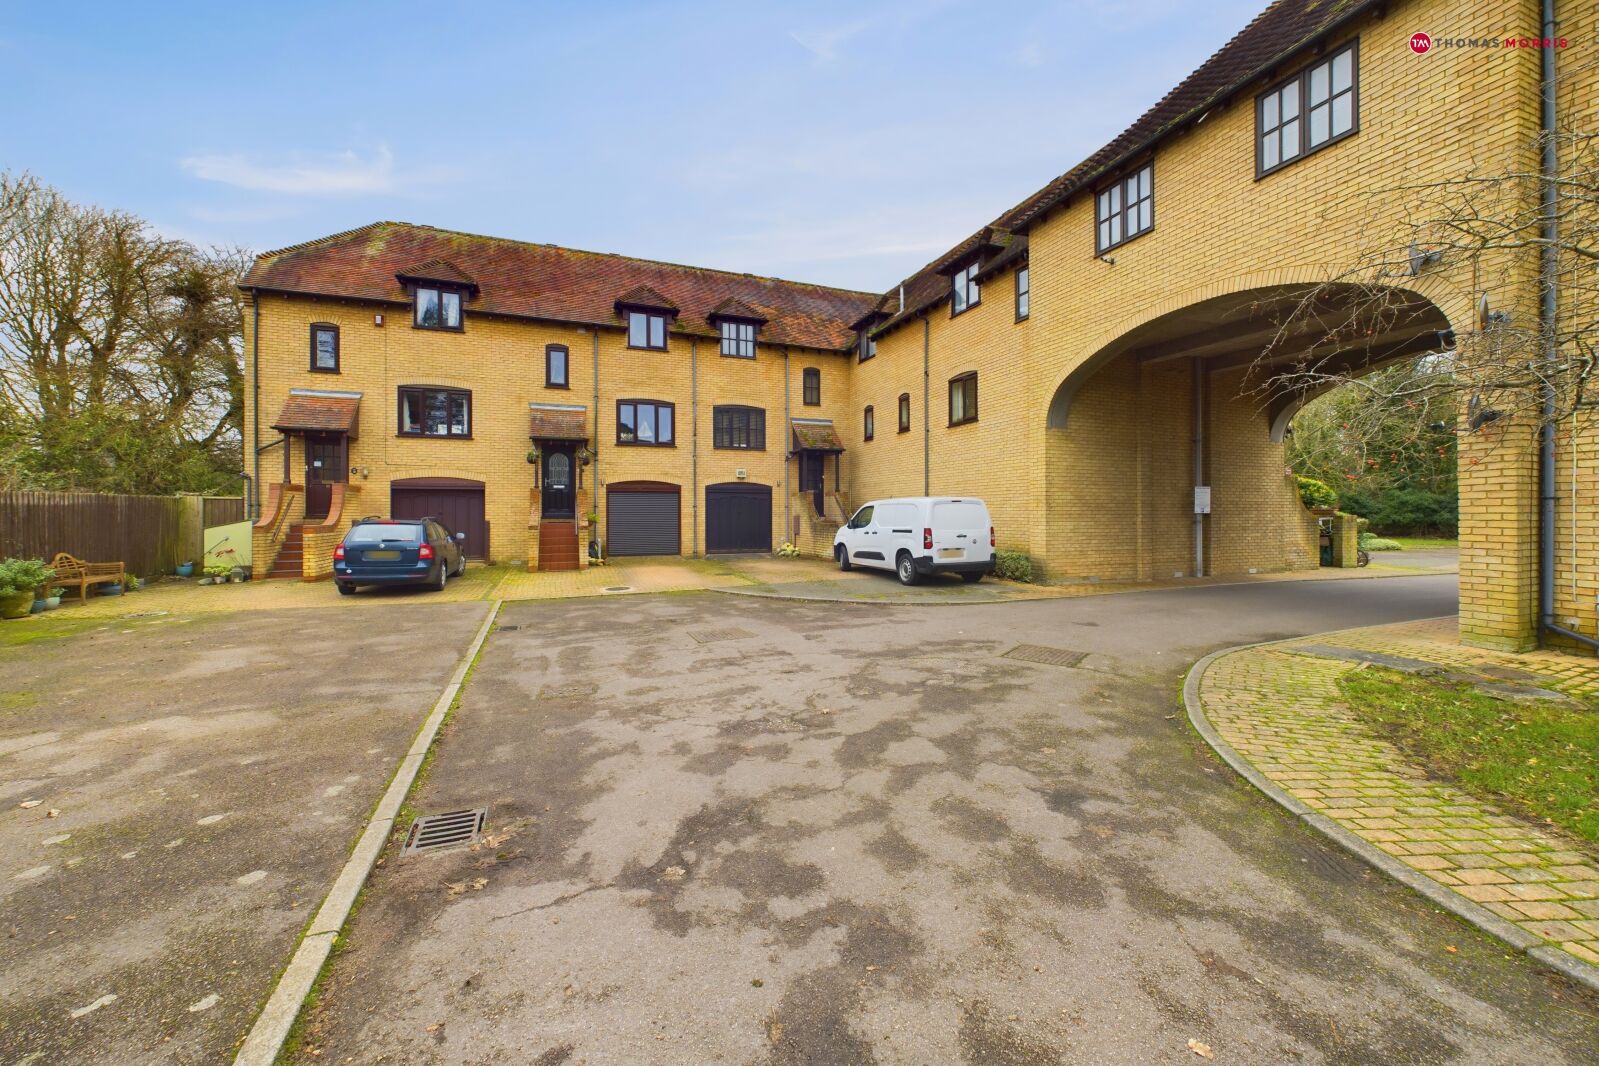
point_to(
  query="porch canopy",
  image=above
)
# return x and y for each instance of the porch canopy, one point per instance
(558, 421)
(320, 411)
(815, 435)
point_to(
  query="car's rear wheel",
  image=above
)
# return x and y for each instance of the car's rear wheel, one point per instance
(345, 588)
(972, 579)
(443, 578)
(905, 567)
(461, 568)
(842, 554)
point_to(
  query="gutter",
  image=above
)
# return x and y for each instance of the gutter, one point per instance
(1548, 314)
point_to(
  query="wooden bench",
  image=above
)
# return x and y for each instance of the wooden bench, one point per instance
(72, 571)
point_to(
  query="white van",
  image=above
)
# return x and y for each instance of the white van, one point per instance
(919, 535)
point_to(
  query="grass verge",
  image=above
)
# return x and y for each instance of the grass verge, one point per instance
(1540, 759)
(1426, 543)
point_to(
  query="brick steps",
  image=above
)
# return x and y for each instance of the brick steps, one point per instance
(290, 561)
(558, 545)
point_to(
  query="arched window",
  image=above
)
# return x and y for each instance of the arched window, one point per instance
(870, 423)
(904, 412)
(813, 386)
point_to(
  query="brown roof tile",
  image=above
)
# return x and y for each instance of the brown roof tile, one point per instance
(320, 412)
(437, 270)
(816, 436)
(558, 422)
(733, 307)
(646, 297)
(548, 282)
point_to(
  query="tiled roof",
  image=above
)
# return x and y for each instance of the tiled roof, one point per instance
(437, 270)
(1273, 37)
(558, 422)
(644, 296)
(816, 436)
(320, 411)
(548, 282)
(733, 307)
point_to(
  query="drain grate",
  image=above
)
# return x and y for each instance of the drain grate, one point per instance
(507, 629)
(1037, 653)
(437, 831)
(707, 636)
(618, 588)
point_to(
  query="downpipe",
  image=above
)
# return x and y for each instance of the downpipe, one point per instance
(1549, 304)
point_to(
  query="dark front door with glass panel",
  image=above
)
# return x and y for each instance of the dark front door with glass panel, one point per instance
(813, 478)
(324, 467)
(559, 474)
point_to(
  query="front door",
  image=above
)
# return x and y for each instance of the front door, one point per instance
(324, 466)
(813, 477)
(559, 473)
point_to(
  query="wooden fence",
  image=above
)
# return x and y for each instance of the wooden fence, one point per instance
(150, 534)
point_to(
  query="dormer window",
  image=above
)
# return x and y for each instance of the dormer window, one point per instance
(738, 339)
(437, 308)
(965, 293)
(646, 329)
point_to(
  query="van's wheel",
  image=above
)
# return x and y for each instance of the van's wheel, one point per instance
(972, 578)
(843, 558)
(345, 588)
(905, 566)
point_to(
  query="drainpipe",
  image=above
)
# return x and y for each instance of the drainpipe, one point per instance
(694, 446)
(788, 439)
(1549, 266)
(1197, 387)
(255, 396)
(927, 400)
(594, 474)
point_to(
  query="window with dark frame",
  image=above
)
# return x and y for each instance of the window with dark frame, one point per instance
(645, 422)
(739, 428)
(324, 348)
(738, 339)
(963, 399)
(869, 424)
(868, 346)
(1024, 292)
(1126, 209)
(437, 308)
(904, 412)
(646, 329)
(435, 412)
(1317, 107)
(812, 389)
(965, 293)
(555, 364)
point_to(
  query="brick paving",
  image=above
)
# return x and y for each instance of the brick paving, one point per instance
(1280, 708)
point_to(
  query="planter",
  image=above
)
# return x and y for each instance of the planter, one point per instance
(16, 605)
(51, 602)
(37, 607)
(111, 590)
(185, 569)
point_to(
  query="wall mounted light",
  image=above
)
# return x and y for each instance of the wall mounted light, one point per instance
(377, 320)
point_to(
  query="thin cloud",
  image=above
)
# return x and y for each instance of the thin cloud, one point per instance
(342, 173)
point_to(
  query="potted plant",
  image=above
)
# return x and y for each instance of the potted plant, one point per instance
(186, 568)
(131, 583)
(216, 575)
(19, 579)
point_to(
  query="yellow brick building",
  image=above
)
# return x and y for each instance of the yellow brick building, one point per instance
(1098, 363)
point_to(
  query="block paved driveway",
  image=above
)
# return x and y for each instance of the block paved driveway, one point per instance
(209, 775)
(733, 830)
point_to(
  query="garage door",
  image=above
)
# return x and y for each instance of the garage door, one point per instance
(642, 519)
(456, 502)
(738, 517)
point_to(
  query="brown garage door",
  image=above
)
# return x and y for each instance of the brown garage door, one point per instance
(456, 502)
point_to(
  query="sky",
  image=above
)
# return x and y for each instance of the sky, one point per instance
(833, 142)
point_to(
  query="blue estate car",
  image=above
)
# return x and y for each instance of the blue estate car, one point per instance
(397, 551)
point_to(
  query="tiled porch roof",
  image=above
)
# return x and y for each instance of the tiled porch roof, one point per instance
(816, 437)
(551, 421)
(320, 411)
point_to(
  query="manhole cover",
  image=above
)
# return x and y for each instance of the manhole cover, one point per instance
(618, 588)
(507, 629)
(706, 636)
(1037, 653)
(437, 831)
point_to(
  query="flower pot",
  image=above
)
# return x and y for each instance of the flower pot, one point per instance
(111, 590)
(185, 569)
(16, 604)
(52, 602)
(37, 607)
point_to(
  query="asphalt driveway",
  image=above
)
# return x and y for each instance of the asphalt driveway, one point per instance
(735, 830)
(176, 795)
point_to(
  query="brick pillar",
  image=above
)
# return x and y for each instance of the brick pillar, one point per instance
(1345, 540)
(533, 531)
(1499, 536)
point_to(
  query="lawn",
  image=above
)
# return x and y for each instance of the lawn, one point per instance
(1426, 543)
(1542, 759)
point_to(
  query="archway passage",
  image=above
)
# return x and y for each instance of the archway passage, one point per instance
(1163, 449)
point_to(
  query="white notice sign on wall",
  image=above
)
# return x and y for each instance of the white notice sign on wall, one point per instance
(1202, 499)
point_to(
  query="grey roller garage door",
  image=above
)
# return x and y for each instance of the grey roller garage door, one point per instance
(643, 520)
